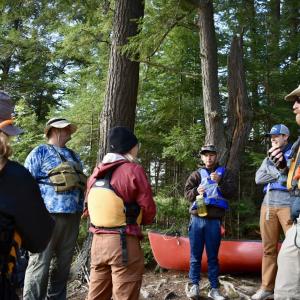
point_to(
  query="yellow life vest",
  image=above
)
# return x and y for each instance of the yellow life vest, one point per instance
(108, 210)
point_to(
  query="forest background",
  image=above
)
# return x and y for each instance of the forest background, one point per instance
(60, 58)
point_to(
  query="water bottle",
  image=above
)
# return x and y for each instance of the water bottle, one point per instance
(201, 207)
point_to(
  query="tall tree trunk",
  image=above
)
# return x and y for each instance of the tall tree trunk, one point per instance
(123, 76)
(232, 142)
(239, 109)
(209, 68)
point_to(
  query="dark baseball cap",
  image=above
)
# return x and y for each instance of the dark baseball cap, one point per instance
(208, 148)
(6, 111)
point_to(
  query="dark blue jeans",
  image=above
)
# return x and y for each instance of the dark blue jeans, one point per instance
(204, 232)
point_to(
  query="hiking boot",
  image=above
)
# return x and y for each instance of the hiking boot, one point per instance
(215, 294)
(262, 295)
(193, 293)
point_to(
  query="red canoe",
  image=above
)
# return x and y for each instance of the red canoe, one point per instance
(235, 256)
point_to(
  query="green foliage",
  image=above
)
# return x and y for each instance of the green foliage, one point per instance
(182, 145)
(172, 218)
(83, 231)
(161, 17)
(26, 66)
(242, 221)
(148, 255)
(33, 131)
(172, 215)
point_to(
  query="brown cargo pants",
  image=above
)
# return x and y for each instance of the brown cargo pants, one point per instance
(109, 277)
(279, 217)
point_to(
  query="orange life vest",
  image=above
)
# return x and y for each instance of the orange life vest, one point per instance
(291, 182)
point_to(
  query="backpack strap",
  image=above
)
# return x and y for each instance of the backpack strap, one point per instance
(62, 159)
(60, 156)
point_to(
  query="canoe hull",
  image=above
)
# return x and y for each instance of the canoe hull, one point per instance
(235, 256)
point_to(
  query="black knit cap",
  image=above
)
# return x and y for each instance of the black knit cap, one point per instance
(121, 140)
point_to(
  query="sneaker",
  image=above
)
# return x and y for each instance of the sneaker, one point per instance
(262, 295)
(193, 293)
(215, 294)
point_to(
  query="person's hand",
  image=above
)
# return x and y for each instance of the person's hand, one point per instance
(200, 189)
(215, 177)
(276, 156)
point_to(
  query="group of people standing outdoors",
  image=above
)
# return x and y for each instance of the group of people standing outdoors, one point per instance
(43, 204)
(280, 209)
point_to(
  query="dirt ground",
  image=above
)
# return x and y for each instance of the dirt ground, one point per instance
(172, 285)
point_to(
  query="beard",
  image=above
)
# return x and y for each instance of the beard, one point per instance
(298, 119)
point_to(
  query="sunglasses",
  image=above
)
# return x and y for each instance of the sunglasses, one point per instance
(297, 100)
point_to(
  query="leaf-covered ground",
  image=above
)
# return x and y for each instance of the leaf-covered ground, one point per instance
(172, 285)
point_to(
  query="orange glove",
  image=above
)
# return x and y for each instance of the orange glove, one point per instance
(297, 174)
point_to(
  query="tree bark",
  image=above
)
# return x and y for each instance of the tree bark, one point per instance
(231, 142)
(209, 68)
(239, 109)
(123, 76)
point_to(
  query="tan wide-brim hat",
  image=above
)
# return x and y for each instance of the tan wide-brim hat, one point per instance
(293, 95)
(59, 123)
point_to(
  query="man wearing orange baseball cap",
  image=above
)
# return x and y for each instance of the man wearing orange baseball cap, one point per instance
(24, 219)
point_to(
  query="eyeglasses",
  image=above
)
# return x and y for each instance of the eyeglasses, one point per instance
(297, 100)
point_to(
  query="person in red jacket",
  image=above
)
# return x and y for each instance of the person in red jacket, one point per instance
(119, 199)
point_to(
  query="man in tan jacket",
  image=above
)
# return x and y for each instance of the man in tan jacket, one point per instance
(288, 275)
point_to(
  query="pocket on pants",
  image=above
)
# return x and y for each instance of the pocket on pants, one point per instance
(190, 223)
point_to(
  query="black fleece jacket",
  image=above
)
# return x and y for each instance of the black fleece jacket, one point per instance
(20, 199)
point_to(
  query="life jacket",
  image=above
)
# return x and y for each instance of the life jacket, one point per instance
(280, 184)
(294, 163)
(110, 212)
(66, 176)
(212, 195)
(10, 242)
